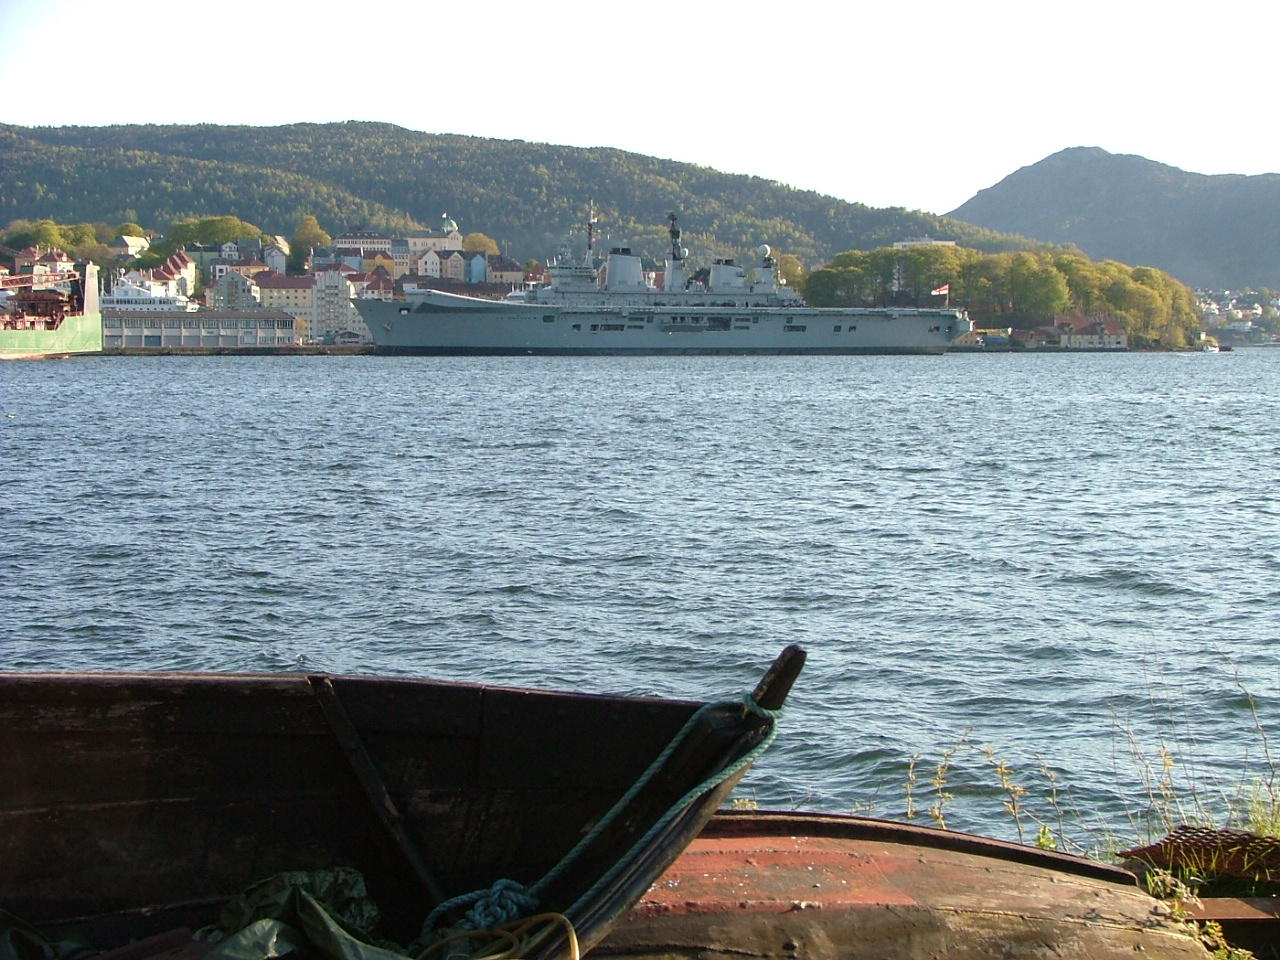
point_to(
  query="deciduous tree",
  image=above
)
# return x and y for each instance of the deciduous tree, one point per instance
(479, 243)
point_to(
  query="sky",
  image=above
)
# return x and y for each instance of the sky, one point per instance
(912, 104)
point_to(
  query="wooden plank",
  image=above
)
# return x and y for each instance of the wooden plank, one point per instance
(370, 779)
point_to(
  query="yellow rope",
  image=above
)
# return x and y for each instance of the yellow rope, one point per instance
(511, 941)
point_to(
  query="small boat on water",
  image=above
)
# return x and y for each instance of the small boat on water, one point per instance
(798, 886)
(136, 805)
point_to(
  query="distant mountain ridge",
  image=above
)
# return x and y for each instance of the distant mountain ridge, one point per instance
(1219, 231)
(524, 195)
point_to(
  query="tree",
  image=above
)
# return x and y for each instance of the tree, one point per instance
(42, 233)
(129, 229)
(205, 230)
(791, 270)
(479, 243)
(307, 236)
(838, 287)
(82, 241)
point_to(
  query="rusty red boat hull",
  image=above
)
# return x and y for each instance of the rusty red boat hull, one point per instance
(833, 888)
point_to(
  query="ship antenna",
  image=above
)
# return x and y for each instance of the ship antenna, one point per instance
(677, 254)
(591, 232)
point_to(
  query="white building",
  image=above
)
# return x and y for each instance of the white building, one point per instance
(336, 320)
(139, 294)
(125, 246)
(276, 256)
(366, 241)
(203, 328)
(234, 291)
(446, 237)
(922, 242)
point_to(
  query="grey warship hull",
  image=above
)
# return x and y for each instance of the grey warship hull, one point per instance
(446, 324)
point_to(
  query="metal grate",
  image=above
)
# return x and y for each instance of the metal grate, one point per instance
(1226, 853)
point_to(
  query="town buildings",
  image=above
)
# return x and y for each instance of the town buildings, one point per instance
(245, 281)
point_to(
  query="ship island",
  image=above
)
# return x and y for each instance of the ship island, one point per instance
(726, 309)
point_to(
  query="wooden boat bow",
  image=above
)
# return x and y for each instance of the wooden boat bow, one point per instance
(134, 803)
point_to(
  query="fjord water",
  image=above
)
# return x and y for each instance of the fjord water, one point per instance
(1071, 559)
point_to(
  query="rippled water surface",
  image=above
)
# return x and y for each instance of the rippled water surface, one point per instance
(1066, 558)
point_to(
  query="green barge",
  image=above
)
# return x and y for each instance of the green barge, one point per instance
(50, 315)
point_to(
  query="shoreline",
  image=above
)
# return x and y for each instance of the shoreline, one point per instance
(302, 350)
(347, 350)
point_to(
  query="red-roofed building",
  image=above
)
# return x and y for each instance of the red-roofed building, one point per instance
(180, 270)
(25, 259)
(42, 262)
(375, 286)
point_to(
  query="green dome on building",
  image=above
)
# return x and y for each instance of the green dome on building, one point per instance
(446, 224)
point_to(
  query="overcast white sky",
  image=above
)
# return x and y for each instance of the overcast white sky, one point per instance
(914, 104)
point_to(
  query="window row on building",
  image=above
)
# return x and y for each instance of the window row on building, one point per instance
(206, 328)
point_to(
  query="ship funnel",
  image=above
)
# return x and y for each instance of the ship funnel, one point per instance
(727, 277)
(624, 271)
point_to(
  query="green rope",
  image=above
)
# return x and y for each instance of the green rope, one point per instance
(507, 900)
(679, 806)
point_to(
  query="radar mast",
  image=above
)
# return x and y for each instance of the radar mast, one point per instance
(591, 233)
(678, 253)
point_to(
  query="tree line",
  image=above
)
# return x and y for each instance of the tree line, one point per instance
(1012, 289)
(525, 195)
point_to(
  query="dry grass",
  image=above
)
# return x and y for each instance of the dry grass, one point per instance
(1170, 790)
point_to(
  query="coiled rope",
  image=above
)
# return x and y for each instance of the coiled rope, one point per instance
(508, 942)
(507, 900)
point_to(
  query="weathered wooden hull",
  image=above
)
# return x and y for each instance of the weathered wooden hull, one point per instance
(761, 885)
(136, 803)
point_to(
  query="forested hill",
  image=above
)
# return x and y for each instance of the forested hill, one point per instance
(1215, 231)
(524, 195)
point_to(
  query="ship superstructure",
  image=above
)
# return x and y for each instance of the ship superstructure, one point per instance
(729, 309)
(50, 314)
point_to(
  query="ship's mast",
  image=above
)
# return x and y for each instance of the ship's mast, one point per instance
(591, 233)
(677, 253)
(674, 279)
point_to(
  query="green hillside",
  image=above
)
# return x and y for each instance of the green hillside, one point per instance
(524, 195)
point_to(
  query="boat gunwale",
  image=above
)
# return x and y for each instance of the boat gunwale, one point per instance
(727, 824)
(297, 682)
